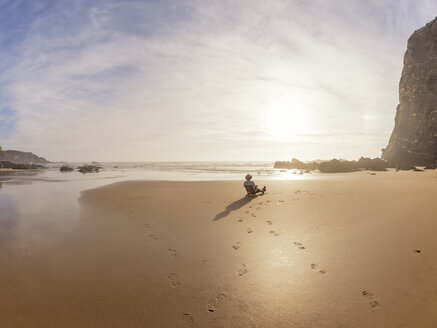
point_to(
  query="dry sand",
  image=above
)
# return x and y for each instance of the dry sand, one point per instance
(334, 252)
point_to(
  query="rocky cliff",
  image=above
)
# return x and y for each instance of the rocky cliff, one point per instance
(414, 137)
(19, 157)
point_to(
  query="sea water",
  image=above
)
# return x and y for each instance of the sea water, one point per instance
(33, 202)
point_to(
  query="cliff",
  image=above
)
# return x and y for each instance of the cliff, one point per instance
(414, 137)
(19, 157)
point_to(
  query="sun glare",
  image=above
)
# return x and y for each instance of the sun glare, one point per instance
(286, 118)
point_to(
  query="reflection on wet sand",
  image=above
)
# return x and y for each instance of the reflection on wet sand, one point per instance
(11, 176)
(9, 212)
(15, 173)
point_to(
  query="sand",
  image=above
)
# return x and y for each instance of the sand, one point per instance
(357, 250)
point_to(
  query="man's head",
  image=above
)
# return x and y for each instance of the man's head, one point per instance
(248, 177)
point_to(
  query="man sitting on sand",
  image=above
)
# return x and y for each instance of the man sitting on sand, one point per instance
(251, 187)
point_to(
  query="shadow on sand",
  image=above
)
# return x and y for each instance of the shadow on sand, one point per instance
(234, 206)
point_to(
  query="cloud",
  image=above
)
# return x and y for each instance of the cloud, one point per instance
(190, 80)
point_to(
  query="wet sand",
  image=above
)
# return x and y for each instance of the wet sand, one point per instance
(353, 251)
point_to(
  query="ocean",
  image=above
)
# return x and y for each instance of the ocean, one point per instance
(173, 171)
(34, 195)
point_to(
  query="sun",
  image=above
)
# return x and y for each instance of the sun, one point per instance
(286, 119)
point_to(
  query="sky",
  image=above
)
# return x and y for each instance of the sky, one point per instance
(202, 80)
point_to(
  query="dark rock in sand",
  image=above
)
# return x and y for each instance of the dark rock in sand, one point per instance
(414, 137)
(66, 168)
(89, 169)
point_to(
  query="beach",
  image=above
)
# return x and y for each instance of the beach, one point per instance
(350, 250)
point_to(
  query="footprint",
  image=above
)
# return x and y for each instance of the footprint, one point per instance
(214, 304)
(187, 320)
(303, 192)
(240, 220)
(247, 212)
(147, 225)
(367, 294)
(236, 246)
(172, 252)
(300, 246)
(316, 266)
(242, 269)
(174, 280)
(269, 222)
(154, 237)
(374, 303)
(274, 233)
(249, 230)
(254, 215)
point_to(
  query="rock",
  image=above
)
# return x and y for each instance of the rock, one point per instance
(89, 169)
(336, 165)
(375, 164)
(66, 168)
(414, 137)
(20, 157)
(9, 165)
(364, 163)
(296, 164)
(405, 168)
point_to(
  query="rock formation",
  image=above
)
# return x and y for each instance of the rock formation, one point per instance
(414, 137)
(20, 157)
(89, 169)
(335, 165)
(66, 168)
(14, 166)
